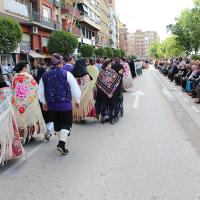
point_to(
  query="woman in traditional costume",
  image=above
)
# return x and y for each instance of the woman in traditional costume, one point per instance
(108, 89)
(26, 105)
(94, 72)
(10, 143)
(87, 101)
(127, 77)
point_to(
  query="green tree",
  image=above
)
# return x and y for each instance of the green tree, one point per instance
(10, 34)
(62, 42)
(153, 50)
(117, 52)
(172, 47)
(187, 28)
(109, 52)
(87, 51)
(123, 54)
(101, 52)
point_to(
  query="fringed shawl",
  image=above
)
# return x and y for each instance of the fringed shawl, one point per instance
(87, 100)
(10, 143)
(108, 82)
(26, 106)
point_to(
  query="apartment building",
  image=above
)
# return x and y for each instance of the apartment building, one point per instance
(123, 33)
(113, 27)
(103, 34)
(89, 20)
(70, 15)
(139, 41)
(38, 18)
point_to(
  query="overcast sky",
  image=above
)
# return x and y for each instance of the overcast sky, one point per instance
(152, 15)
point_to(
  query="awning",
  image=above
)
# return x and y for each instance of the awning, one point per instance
(33, 54)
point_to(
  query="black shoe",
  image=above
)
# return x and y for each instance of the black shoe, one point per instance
(61, 148)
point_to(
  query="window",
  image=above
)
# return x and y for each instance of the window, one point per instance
(90, 34)
(46, 14)
(45, 41)
(83, 31)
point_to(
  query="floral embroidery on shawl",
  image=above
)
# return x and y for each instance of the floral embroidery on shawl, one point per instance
(108, 81)
(24, 92)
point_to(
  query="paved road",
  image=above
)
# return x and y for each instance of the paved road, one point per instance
(153, 153)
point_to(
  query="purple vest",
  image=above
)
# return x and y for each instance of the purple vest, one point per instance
(57, 90)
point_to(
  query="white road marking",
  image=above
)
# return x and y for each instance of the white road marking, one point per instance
(137, 95)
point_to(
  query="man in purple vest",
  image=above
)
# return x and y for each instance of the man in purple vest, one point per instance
(56, 89)
(69, 64)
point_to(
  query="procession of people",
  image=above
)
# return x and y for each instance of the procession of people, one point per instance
(45, 101)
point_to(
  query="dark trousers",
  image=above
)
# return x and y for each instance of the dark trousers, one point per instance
(61, 120)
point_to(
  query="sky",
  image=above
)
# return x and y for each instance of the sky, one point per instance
(150, 15)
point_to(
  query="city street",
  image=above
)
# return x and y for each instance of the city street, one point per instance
(152, 153)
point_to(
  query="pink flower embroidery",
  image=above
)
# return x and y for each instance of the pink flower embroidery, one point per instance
(22, 91)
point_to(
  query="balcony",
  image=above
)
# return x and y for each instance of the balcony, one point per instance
(16, 8)
(57, 26)
(47, 22)
(91, 22)
(39, 20)
(68, 9)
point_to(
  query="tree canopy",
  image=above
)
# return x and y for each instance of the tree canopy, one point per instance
(109, 52)
(62, 42)
(87, 51)
(101, 52)
(11, 34)
(187, 28)
(166, 49)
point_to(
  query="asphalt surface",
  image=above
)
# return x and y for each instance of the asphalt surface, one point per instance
(152, 153)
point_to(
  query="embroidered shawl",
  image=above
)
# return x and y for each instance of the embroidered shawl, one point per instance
(10, 143)
(108, 81)
(26, 106)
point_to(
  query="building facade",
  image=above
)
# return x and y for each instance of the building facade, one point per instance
(103, 34)
(139, 41)
(113, 27)
(38, 18)
(123, 34)
(89, 20)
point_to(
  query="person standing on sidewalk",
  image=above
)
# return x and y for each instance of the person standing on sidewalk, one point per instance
(56, 89)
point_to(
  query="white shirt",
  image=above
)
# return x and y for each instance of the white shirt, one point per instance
(75, 90)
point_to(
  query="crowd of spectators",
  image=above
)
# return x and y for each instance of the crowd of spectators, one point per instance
(185, 72)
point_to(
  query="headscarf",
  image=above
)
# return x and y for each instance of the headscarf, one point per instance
(56, 59)
(117, 67)
(80, 69)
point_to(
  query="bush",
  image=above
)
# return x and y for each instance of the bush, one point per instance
(109, 52)
(101, 52)
(117, 52)
(123, 54)
(10, 34)
(62, 42)
(87, 51)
